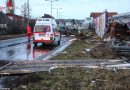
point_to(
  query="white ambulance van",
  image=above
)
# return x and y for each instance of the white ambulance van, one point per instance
(46, 32)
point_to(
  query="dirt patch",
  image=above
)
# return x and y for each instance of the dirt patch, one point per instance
(102, 52)
(76, 79)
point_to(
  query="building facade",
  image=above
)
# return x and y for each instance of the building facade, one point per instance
(97, 14)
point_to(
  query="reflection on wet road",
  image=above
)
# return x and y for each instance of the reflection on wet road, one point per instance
(26, 51)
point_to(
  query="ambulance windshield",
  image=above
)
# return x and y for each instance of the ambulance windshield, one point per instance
(42, 28)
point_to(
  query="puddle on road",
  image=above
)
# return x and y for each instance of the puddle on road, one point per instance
(32, 53)
(20, 53)
(24, 52)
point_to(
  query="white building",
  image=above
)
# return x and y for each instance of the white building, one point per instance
(87, 22)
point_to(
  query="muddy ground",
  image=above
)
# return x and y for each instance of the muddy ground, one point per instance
(73, 79)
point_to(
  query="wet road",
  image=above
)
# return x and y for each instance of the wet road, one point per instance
(26, 51)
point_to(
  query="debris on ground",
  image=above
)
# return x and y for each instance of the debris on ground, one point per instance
(102, 51)
(88, 50)
(2, 63)
(74, 79)
(91, 47)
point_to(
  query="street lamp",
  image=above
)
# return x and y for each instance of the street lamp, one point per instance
(51, 4)
(57, 11)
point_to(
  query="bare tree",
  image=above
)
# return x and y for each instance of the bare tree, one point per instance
(25, 11)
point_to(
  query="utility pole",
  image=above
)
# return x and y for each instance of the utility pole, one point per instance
(57, 11)
(51, 7)
(51, 4)
(28, 10)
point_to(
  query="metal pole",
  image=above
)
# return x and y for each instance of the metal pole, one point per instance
(28, 11)
(57, 13)
(51, 4)
(51, 8)
(60, 14)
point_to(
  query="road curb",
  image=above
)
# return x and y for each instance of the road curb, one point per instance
(55, 53)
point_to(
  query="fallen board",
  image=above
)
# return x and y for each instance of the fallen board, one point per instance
(26, 67)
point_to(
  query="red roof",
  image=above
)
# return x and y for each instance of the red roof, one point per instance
(14, 15)
(97, 14)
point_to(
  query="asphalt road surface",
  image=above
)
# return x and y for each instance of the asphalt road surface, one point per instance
(26, 51)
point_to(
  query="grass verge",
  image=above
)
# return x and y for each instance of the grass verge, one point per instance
(76, 79)
(77, 51)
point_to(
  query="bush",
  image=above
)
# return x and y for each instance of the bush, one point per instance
(14, 28)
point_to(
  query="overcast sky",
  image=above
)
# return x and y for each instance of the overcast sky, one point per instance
(77, 9)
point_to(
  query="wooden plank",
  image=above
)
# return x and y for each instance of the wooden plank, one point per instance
(19, 68)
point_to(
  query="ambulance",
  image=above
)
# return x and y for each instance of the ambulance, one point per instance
(46, 32)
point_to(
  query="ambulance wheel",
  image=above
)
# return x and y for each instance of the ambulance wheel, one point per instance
(35, 44)
(58, 42)
(54, 43)
(43, 44)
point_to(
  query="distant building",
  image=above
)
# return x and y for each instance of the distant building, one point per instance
(4, 22)
(17, 18)
(97, 14)
(87, 23)
(9, 22)
(88, 20)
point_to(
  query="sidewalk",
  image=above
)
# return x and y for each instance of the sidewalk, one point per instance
(4, 37)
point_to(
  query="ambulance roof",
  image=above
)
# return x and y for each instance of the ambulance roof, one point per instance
(46, 21)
